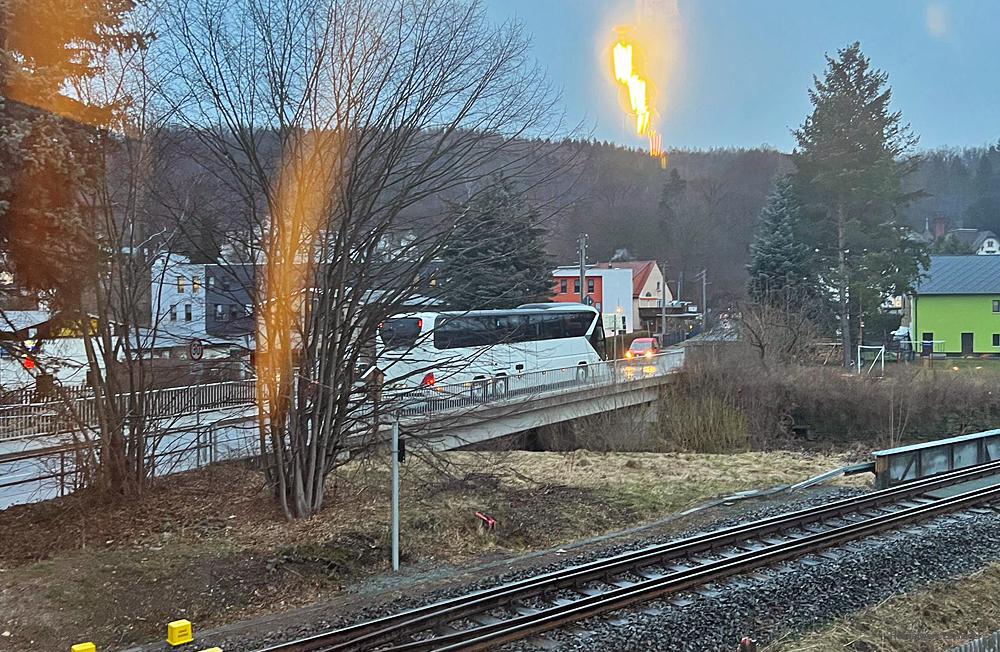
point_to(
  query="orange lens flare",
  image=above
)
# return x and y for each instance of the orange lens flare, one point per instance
(623, 56)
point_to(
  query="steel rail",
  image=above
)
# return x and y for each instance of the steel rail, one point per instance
(488, 636)
(366, 635)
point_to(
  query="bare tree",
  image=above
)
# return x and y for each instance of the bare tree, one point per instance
(344, 124)
(780, 327)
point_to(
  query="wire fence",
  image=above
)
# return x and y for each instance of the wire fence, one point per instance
(45, 473)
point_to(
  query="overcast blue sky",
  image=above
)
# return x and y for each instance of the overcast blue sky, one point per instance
(739, 70)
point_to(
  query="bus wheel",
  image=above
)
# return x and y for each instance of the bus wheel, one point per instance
(478, 391)
(581, 373)
(501, 385)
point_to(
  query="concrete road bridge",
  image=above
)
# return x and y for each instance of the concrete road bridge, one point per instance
(201, 424)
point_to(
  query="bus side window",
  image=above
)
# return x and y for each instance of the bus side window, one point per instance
(577, 323)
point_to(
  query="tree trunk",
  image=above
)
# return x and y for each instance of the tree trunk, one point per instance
(842, 282)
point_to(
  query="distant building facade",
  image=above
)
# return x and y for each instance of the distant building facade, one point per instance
(955, 309)
(203, 301)
(608, 290)
(649, 292)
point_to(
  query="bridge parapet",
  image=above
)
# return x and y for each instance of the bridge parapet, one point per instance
(905, 463)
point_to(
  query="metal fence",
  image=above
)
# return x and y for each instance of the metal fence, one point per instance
(428, 401)
(47, 467)
(77, 414)
(25, 395)
(45, 473)
(989, 643)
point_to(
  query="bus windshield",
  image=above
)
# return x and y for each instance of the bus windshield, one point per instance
(400, 333)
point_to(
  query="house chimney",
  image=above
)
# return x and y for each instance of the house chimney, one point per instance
(940, 227)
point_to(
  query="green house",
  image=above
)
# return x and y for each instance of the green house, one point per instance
(956, 307)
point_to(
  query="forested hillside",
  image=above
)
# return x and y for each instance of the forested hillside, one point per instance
(962, 186)
(700, 212)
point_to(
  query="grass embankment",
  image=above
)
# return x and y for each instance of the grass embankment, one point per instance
(210, 546)
(935, 619)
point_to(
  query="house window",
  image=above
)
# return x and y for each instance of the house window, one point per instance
(563, 285)
(996, 305)
(187, 312)
(180, 285)
(590, 286)
(211, 281)
(220, 312)
(657, 286)
(576, 286)
(173, 312)
(196, 284)
(234, 311)
(996, 339)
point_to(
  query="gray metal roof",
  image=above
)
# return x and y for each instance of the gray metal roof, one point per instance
(962, 275)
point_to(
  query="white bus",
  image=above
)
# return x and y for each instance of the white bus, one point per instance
(433, 348)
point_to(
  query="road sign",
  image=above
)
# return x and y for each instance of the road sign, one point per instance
(589, 300)
(196, 349)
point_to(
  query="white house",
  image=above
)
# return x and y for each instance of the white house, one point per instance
(608, 290)
(649, 291)
(208, 302)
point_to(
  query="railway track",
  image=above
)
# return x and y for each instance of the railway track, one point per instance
(488, 618)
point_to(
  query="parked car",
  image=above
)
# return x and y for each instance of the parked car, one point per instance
(642, 347)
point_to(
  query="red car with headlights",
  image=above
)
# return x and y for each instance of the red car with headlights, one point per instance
(642, 347)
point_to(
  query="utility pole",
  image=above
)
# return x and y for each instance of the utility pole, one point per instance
(582, 243)
(680, 285)
(704, 297)
(663, 305)
(395, 493)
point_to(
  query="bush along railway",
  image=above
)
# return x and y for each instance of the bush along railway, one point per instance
(489, 618)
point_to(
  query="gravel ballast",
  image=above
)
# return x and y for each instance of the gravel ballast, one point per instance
(248, 637)
(798, 595)
(795, 596)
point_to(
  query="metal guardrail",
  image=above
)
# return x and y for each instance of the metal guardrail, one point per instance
(49, 418)
(897, 465)
(25, 395)
(428, 401)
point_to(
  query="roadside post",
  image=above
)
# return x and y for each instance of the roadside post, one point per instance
(395, 493)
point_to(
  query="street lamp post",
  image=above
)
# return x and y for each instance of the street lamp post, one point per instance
(618, 311)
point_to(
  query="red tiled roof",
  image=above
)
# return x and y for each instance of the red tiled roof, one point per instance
(641, 269)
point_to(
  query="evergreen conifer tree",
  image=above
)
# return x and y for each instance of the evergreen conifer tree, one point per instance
(779, 259)
(496, 257)
(853, 153)
(50, 141)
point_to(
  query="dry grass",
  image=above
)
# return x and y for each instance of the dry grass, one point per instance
(913, 402)
(210, 546)
(932, 620)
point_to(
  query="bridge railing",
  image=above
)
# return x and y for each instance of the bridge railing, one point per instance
(50, 418)
(445, 397)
